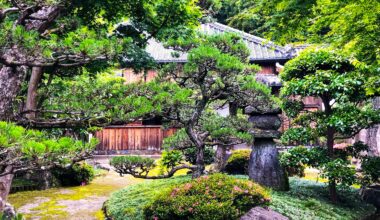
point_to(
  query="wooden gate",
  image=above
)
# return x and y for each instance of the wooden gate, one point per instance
(132, 139)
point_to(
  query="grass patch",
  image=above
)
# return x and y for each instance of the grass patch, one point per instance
(128, 203)
(306, 200)
(309, 200)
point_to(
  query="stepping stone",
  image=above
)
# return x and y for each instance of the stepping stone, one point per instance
(260, 213)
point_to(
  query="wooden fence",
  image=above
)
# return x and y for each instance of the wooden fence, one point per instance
(140, 139)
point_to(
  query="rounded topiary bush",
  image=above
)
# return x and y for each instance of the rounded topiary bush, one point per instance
(238, 162)
(217, 196)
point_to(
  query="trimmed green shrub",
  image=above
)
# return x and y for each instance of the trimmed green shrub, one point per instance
(191, 155)
(75, 175)
(238, 162)
(136, 164)
(217, 196)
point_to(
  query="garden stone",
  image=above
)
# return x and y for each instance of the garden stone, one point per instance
(260, 213)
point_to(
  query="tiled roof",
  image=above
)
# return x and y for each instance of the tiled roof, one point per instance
(261, 49)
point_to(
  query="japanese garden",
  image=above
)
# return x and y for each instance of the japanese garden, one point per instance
(189, 109)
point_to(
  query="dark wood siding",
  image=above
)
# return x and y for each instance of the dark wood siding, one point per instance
(131, 139)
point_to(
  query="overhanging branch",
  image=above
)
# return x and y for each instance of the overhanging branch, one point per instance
(168, 175)
(4, 12)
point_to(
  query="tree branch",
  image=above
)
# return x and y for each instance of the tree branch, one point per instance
(168, 175)
(4, 12)
(60, 62)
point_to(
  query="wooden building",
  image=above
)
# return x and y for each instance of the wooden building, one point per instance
(146, 137)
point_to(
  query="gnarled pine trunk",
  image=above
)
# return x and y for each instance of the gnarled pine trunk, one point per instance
(10, 84)
(31, 99)
(200, 162)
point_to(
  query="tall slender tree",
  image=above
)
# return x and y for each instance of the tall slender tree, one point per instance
(340, 85)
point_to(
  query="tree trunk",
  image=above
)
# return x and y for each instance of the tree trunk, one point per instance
(31, 100)
(200, 163)
(220, 159)
(5, 186)
(264, 166)
(10, 84)
(46, 179)
(221, 151)
(330, 150)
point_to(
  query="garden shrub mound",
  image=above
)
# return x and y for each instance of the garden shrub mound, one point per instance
(217, 196)
(237, 163)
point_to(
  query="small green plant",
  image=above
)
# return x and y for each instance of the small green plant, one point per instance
(217, 196)
(191, 155)
(79, 173)
(295, 160)
(238, 162)
(171, 158)
(340, 171)
(371, 170)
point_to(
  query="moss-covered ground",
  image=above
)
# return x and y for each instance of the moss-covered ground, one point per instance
(80, 202)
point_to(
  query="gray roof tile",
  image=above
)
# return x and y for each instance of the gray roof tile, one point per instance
(261, 49)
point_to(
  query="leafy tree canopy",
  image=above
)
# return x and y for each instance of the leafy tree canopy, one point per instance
(81, 29)
(352, 26)
(340, 85)
(60, 37)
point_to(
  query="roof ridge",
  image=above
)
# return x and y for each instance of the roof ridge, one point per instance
(264, 42)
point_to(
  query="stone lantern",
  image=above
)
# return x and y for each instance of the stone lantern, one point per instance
(264, 165)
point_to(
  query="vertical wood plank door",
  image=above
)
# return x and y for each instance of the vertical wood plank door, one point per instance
(131, 139)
